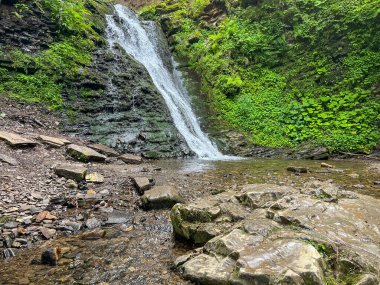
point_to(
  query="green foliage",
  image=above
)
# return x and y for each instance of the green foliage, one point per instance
(287, 72)
(39, 77)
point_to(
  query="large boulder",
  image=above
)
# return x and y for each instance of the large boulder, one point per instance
(268, 234)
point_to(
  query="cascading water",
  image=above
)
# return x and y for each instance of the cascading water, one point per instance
(140, 40)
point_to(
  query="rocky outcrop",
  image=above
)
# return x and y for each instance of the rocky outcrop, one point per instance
(123, 109)
(268, 234)
(112, 101)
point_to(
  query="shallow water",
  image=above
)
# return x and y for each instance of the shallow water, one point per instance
(142, 250)
(239, 172)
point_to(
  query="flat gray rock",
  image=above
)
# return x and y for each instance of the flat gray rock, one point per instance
(71, 171)
(130, 158)
(160, 197)
(93, 223)
(103, 149)
(52, 141)
(8, 159)
(84, 154)
(94, 177)
(142, 184)
(15, 140)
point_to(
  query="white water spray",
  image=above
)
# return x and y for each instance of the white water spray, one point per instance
(140, 40)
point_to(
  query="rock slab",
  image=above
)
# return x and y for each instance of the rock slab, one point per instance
(8, 159)
(130, 158)
(52, 141)
(15, 140)
(71, 171)
(84, 154)
(103, 149)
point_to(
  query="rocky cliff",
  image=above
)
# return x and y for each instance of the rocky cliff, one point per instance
(106, 96)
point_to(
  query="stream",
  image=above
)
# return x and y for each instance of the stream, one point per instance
(142, 249)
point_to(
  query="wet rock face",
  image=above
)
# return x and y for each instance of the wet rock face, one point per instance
(31, 32)
(268, 234)
(124, 109)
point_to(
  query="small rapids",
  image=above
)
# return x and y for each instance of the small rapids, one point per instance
(142, 41)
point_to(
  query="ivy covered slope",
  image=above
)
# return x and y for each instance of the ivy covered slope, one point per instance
(36, 68)
(287, 72)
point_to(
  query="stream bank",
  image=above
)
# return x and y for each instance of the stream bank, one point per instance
(129, 245)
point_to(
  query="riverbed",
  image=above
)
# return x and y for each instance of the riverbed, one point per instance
(142, 249)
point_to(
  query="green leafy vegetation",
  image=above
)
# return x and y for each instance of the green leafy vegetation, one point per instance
(285, 72)
(39, 77)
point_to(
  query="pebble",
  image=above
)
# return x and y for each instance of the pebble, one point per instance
(353, 175)
(93, 223)
(10, 225)
(297, 169)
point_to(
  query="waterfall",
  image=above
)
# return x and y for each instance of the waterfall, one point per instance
(141, 41)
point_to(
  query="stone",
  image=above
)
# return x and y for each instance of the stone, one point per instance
(8, 159)
(205, 269)
(353, 175)
(130, 158)
(194, 221)
(161, 197)
(116, 220)
(367, 279)
(10, 225)
(280, 262)
(51, 256)
(93, 223)
(103, 149)
(22, 231)
(74, 226)
(376, 183)
(71, 171)
(41, 216)
(52, 141)
(84, 154)
(263, 195)
(104, 192)
(71, 184)
(47, 233)
(233, 242)
(142, 184)
(296, 169)
(94, 235)
(8, 253)
(23, 281)
(16, 244)
(94, 177)
(7, 241)
(326, 165)
(15, 140)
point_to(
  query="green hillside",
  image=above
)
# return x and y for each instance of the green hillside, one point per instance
(285, 72)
